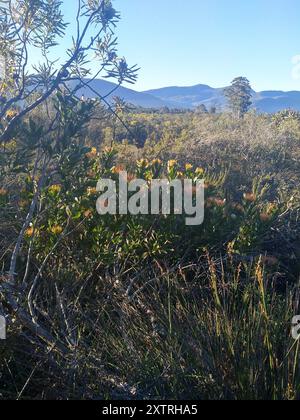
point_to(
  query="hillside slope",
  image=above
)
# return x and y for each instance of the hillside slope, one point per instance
(191, 96)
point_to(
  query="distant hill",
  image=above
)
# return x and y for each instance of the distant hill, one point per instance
(192, 96)
(274, 101)
(103, 87)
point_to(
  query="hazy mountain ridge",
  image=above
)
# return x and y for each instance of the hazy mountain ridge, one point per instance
(192, 96)
(103, 88)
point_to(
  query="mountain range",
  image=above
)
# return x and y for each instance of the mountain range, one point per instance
(190, 97)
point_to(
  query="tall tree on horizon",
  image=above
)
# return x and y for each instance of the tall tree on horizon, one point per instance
(239, 96)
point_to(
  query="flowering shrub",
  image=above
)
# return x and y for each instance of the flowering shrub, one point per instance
(69, 205)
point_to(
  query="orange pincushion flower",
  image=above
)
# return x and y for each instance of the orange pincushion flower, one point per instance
(250, 197)
(92, 154)
(117, 169)
(219, 202)
(237, 206)
(108, 149)
(88, 214)
(3, 192)
(29, 232)
(264, 217)
(91, 174)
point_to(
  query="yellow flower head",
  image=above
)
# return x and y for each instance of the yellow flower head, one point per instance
(142, 163)
(188, 167)
(91, 191)
(55, 189)
(56, 230)
(199, 171)
(172, 164)
(156, 162)
(23, 203)
(272, 207)
(10, 114)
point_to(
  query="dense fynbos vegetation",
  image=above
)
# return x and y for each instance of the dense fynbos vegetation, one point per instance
(145, 306)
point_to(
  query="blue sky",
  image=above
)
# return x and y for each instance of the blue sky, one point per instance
(186, 42)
